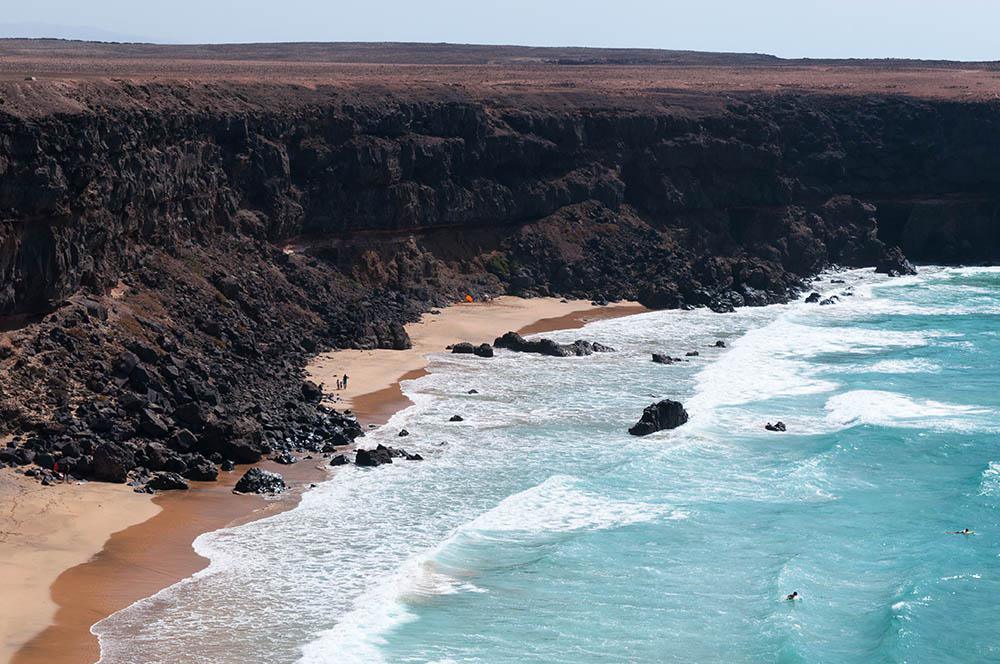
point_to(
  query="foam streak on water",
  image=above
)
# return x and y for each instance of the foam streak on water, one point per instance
(537, 530)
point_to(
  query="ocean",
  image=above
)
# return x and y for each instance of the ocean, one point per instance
(538, 530)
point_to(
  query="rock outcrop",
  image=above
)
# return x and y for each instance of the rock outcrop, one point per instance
(666, 414)
(515, 342)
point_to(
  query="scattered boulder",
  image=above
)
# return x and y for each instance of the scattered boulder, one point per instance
(692, 353)
(833, 299)
(456, 418)
(473, 391)
(403, 433)
(661, 358)
(666, 414)
(166, 481)
(339, 460)
(777, 426)
(813, 298)
(483, 350)
(260, 481)
(286, 459)
(463, 348)
(720, 344)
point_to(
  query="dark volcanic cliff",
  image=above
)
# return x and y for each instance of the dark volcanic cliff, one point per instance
(216, 236)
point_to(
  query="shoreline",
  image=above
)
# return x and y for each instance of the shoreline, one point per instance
(142, 557)
(374, 392)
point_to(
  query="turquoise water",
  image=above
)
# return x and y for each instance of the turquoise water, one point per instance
(537, 530)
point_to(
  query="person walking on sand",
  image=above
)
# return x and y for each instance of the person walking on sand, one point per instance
(345, 381)
(339, 384)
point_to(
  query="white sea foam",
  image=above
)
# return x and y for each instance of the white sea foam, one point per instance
(918, 365)
(529, 518)
(880, 408)
(990, 485)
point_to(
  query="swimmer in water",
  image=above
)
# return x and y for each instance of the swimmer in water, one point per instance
(794, 596)
(964, 531)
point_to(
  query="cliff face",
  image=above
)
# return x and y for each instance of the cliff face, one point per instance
(219, 244)
(83, 196)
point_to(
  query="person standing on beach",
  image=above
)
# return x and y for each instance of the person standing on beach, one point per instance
(345, 381)
(339, 383)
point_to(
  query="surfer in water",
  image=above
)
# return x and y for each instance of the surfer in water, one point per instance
(794, 596)
(964, 531)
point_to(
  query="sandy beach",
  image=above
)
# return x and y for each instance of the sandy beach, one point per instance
(373, 392)
(78, 553)
(46, 530)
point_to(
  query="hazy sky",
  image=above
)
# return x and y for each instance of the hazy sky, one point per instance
(953, 29)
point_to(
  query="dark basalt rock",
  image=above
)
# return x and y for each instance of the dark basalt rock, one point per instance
(473, 391)
(666, 414)
(813, 298)
(311, 392)
(692, 353)
(515, 342)
(894, 263)
(456, 418)
(720, 344)
(777, 426)
(483, 350)
(286, 459)
(661, 358)
(200, 469)
(464, 348)
(339, 460)
(166, 481)
(380, 455)
(112, 462)
(260, 481)
(403, 433)
(833, 299)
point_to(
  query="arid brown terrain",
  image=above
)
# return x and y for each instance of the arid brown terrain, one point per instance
(182, 227)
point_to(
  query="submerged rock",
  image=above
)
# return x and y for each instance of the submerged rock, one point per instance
(662, 358)
(666, 414)
(813, 298)
(777, 426)
(260, 481)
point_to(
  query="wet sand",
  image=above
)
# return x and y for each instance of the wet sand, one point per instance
(142, 559)
(45, 530)
(373, 390)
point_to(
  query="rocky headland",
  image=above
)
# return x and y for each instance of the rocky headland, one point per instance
(175, 245)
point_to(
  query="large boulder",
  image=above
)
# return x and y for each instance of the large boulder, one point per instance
(463, 348)
(483, 350)
(257, 480)
(666, 414)
(380, 455)
(111, 463)
(166, 481)
(894, 263)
